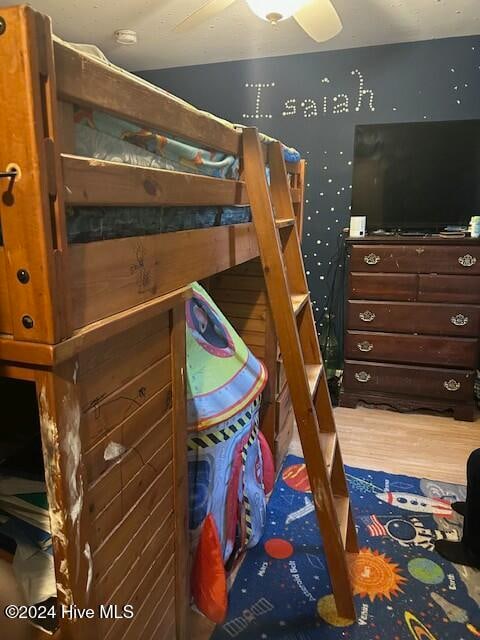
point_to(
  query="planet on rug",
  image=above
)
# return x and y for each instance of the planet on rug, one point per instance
(418, 630)
(327, 610)
(295, 476)
(375, 575)
(426, 570)
(278, 548)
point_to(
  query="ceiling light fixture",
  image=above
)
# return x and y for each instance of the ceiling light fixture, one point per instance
(275, 11)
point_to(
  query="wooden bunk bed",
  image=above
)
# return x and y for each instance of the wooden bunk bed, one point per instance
(97, 328)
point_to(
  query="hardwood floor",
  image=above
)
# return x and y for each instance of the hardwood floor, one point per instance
(407, 443)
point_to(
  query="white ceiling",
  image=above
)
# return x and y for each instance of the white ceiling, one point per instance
(238, 34)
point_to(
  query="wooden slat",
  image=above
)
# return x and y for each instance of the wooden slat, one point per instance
(236, 296)
(128, 432)
(241, 311)
(6, 325)
(90, 83)
(157, 527)
(297, 195)
(284, 222)
(342, 507)
(98, 331)
(254, 338)
(247, 324)
(131, 490)
(104, 413)
(239, 283)
(98, 182)
(113, 275)
(314, 371)
(299, 300)
(102, 371)
(106, 554)
(157, 583)
(180, 472)
(153, 444)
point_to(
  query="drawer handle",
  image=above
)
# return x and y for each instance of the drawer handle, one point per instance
(451, 385)
(366, 316)
(362, 376)
(365, 346)
(467, 260)
(459, 320)
(372, 258)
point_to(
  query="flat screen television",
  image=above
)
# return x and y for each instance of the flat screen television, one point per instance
(417, 177)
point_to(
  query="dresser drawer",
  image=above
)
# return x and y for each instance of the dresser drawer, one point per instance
(383, 286)
(462, 260)
(384, 258)
(413, 349)
(421, 258)
(446, 384)
(458, 289)
(414, 317)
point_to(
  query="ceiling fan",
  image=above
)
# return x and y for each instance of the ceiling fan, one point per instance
(318, 18)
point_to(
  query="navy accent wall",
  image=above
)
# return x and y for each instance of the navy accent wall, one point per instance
(313, 102)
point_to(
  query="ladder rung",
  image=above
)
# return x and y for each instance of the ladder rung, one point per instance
(328, 445)
(342, 507)
(298, 301)
(284, 222)
(314, 372)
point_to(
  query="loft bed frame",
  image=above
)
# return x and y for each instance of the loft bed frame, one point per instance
(97, 329)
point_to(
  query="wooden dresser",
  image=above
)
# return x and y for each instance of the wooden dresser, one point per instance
(412, 323)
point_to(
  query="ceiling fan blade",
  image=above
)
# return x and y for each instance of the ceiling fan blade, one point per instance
(205, 12)
(319, 19)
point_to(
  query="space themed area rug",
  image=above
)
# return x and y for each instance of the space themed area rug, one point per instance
(403, 589)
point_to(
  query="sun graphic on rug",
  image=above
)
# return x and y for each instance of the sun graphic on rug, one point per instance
(374, 575)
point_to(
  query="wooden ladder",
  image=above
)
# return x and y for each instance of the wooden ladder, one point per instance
(287, 288)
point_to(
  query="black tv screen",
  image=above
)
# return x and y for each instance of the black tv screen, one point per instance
(421, 176)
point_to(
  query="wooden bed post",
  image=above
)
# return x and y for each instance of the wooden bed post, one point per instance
(180, 473)
(60, 420)
(31, 204)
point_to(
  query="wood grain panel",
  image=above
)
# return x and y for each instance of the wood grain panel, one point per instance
(6, 325)
(383, 286)
(129, 432)
(244, 297)
(239, 283)
(92, 182)
(155, 531)
(107, 551)
(407, 317)
(416, 381)
(458, 289)
(113, 275)
(166, 628)
(242, 311)
(158, 583)
(132, 488)
(395, 347)
(108, 411)
(153, 443)
(87, 82)
(102, 371)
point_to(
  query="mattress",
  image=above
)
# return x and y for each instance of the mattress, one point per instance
(105, 137)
